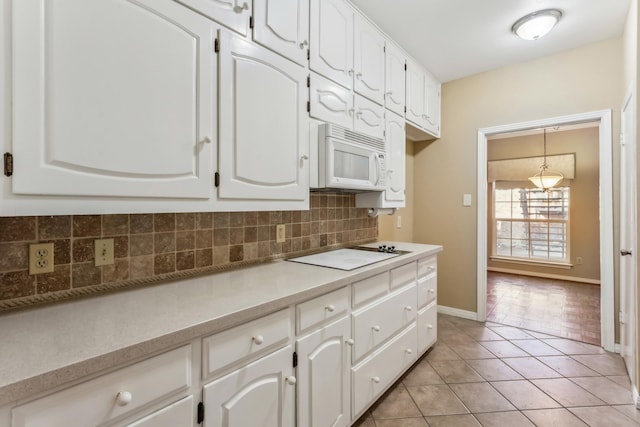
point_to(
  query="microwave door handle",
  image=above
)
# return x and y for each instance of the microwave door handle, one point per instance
(378, 169)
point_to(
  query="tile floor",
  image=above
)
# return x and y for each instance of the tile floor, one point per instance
(556, 307)
(487, 374)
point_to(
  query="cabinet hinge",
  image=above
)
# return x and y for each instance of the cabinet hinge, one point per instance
(308, 54)
(405, 109)
(216, 45)
(295, 359)
(308, 106)
(405, 67)
(309, 81)
(216, 179)
(200, 412)
(8, 164)
(251, 22)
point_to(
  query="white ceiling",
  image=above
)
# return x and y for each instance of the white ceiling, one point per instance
(459, 38)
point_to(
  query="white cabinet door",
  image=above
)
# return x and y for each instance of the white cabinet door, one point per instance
(369, 63)
(323, 371)
(415, 93)
(331, 44)
(432, 104)
(396, 157)
(234, 14)
(259, 394)
(368, 117)
(99, 109)
(283, 26)
(395, 61)
(330, 102)
(264, 145)
(177, 414)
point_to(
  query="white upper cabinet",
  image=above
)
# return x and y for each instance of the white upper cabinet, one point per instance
(396, 158)
(423, 101)
(395, 63)
(333, 103)
(283, 26)
(234, 14)
(331, 44)
(112, 98)
(264, 142)
(369, 66)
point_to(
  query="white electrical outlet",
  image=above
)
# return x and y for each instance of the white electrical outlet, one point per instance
(103, 252)
(281, 233)
(579, 260)
(41, 258)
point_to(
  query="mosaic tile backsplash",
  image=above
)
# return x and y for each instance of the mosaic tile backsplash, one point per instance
(155, 245)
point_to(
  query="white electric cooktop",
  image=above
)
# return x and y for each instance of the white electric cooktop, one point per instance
(344, 259)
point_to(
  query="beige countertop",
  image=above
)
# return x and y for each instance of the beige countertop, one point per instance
(46, 347)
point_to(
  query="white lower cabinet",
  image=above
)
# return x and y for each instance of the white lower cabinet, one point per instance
(176, 414)
(261, 393)
(376, 373)
(324, 360)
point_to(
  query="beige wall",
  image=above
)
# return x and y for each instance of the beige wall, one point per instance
(584, 233)
(387, 230)
(576, 81)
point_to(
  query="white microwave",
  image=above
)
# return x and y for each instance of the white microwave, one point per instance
(350, 160)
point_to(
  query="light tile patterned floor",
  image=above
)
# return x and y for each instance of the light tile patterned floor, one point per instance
(488, 374)
(557, 307)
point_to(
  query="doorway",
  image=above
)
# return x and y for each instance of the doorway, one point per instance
(603, 118)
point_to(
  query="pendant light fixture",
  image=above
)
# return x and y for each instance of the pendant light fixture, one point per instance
(537, 24)
(546, 179)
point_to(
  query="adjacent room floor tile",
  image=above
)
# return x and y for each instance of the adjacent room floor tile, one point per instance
(573, 347)
(442, 351)
(471, 351)
(453, 421)
(422, 374)
(481, 333)
(531, 368)
(504, 419)
(536, 348)
(603, 416)
(559, 417)
(396, 403)
(436, 400)
(604, 364)
(511, 333)
(504, 349)
(567, 366)
(402, 422)
(567, 393)
(456, 371)
(494, 370)
(605, 389)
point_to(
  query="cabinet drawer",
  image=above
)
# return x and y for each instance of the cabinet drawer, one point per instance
(243, 341)
(176, 414)
(427, 327)
(322, 309)
(376, 323)
(403, 275)
(427, 267)
(96, 401)
(427, 290)
(370, 288)
(372, 377)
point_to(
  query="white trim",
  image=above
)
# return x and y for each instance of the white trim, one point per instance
(532, 262)
(617, 348)
(457, 312)
(544, 275)
(607, 318)
(636, 401)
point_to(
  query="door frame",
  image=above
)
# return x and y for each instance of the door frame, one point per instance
(607, 316)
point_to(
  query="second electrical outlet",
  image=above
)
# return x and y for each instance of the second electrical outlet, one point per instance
(104, 252)
(281, 233)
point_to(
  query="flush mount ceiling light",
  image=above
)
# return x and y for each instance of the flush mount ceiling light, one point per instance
(536, 24)
(545, 179)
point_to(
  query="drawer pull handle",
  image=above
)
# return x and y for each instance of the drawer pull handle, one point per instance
(258, 339)
(123, 398)
(291, 380)
(408, 351)
(350, 341)
(330, 308)
(375, 379)
(376, 328)
(429, 326)
(408, 308)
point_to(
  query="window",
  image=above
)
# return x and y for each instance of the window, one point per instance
(530, 224)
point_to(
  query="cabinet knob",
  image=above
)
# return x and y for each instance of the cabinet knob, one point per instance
(429, 326)
(432, 291)
(358, 75)
(408, 308)
(350, 72)
(431, 269)
(376, 328)
(304, 44)
(291, 380)
(375, 379)
(258, 339)
(123, 398)
(350, 341)
(206, 140)
(389, 93)
(330, 308)
(304, 157)
(239, 9)
(408, 351)
(351, 111)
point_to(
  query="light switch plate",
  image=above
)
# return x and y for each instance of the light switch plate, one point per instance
(466, 200)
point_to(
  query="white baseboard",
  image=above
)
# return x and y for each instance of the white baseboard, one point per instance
(635, 397)
(544, 275)
(617, 348)
(471, 315)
